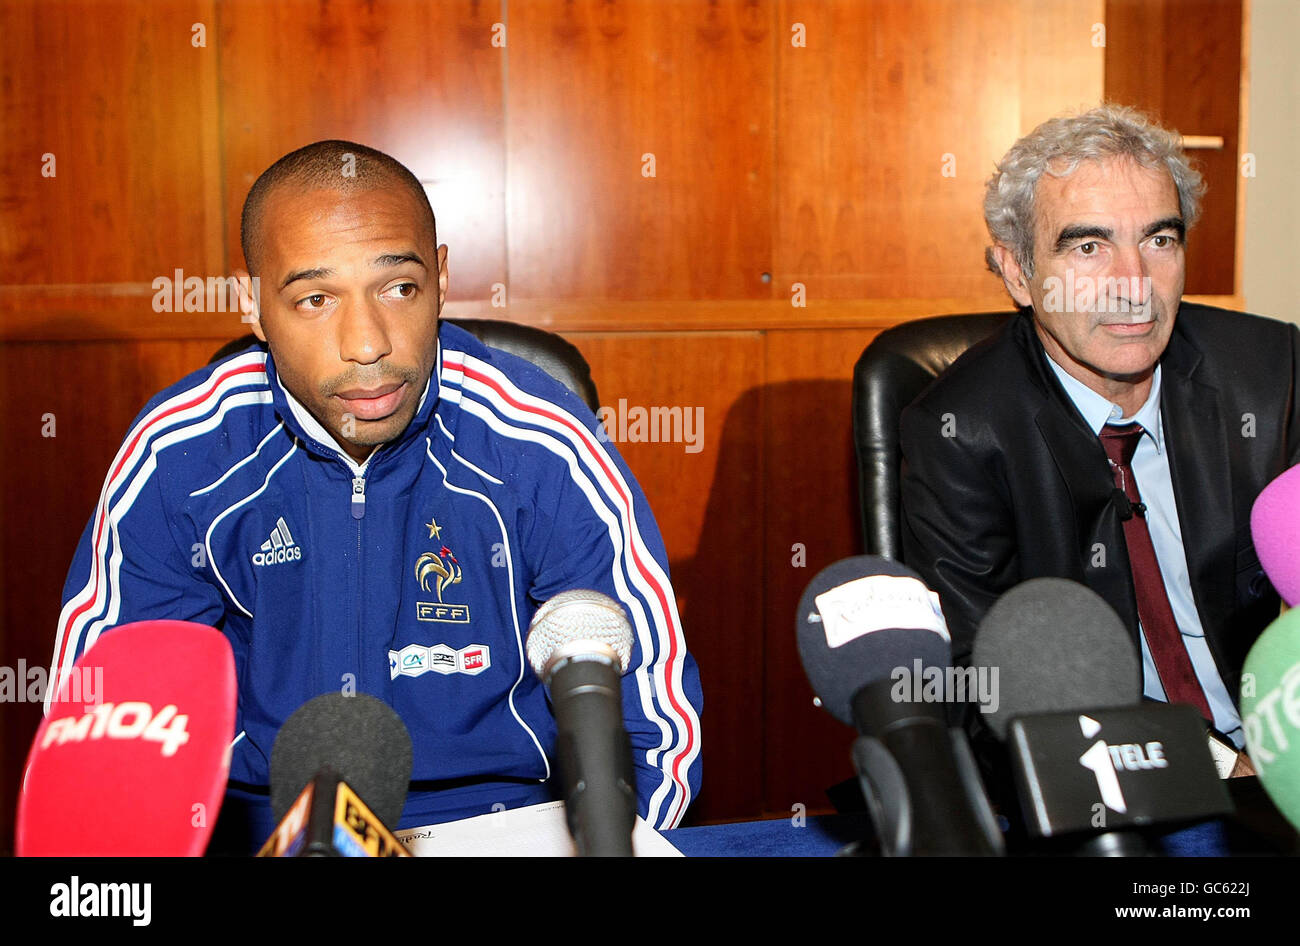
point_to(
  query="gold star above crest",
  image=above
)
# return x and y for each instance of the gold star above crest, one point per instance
(435, 530)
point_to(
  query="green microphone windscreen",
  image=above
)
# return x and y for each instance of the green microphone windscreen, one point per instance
(1270, 712)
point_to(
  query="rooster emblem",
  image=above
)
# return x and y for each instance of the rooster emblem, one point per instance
(443, 564)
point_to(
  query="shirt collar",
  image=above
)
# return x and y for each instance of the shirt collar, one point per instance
(1097, 411)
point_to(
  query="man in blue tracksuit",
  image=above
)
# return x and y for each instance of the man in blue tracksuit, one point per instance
(378, 504)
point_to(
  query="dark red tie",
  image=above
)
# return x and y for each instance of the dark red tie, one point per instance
(1163, 637)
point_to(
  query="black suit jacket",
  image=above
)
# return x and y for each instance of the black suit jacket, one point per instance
(1003, 481)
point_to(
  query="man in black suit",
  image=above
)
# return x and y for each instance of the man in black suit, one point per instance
(1111, 434)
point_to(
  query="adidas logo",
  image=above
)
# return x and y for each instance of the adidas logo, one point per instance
(279, 548)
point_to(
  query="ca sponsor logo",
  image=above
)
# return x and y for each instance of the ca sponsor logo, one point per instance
(415, 660)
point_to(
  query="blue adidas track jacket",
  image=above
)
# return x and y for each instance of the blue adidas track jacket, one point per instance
(411, 577)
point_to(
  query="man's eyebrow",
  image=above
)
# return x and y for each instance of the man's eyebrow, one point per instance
(1079, 231)
(397, 259)
(317, 273)
(388, 259)
(1168, 223)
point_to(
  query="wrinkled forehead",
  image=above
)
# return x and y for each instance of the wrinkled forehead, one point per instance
(1116, 188)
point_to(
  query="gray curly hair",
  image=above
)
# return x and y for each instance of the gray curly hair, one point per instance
(1056, 147)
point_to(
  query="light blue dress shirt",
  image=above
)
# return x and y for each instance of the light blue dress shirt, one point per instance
(1151, 470)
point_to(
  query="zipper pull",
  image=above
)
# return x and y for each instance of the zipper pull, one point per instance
(358, 497)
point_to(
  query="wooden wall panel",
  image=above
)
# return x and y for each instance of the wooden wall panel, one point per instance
(709, 506)
(49, 486)
(1181, 60)
(810, 505)
(596, 84)
(122, 100)
(82, 313)
(420, 81)
(113, 312)
(1060, 45)
(891, 119)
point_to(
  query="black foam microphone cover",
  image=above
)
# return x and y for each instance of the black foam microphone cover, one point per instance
(1057, 646)
(359, 737)
(837, 671)
(869, 631)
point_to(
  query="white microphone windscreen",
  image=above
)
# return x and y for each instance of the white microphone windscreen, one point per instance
(578, 615)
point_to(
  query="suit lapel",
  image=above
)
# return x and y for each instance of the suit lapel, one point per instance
(1199, 466)
(1081, 462)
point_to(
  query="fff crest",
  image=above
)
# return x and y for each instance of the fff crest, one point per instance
(443, 570)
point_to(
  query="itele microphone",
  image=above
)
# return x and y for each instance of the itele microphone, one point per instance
(1057, 646)
(1270, 712)
(340, 768)
(580, 644)
(877, 652)
(1091, 765)
(133, 755)
(1273, 521)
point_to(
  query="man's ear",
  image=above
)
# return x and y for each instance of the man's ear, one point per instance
(1013, 277)
(247, 288)
(442, 276)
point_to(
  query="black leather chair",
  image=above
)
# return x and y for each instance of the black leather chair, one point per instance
(557, 357)
(896, 367)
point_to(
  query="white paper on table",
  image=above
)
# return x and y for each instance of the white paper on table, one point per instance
(535, 831)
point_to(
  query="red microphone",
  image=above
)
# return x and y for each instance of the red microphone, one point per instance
(133, 755)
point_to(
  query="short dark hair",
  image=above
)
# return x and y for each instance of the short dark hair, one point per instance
(343, 165)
